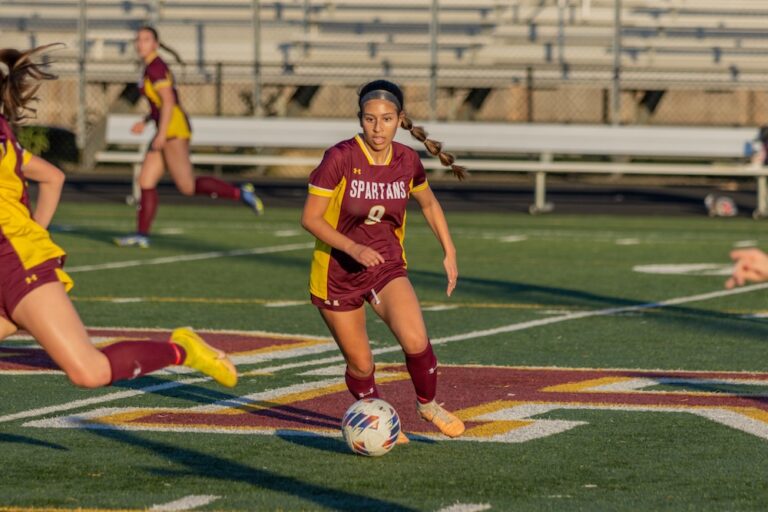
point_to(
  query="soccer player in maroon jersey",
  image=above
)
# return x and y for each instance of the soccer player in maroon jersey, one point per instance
(33, 284)
(170, 146)
(356, 208)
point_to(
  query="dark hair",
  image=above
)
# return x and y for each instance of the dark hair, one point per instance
(152, 30)
(434, 147)
(18, 83)
(762, 133)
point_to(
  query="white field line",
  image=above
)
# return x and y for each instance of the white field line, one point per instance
(31, 413)
(186, 503)
(189, 257)
(437, 341)
(466, 507)
(537, 323)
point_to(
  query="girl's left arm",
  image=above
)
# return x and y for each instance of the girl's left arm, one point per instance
(433, 212)
(51, 181)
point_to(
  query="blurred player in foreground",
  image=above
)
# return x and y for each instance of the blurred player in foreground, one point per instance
(750, 266)
(33, 286)
(170, 146)
(356, 208)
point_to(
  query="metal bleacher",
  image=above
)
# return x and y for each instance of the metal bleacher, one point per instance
(728, 40)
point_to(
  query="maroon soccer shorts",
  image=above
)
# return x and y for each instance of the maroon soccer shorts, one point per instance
(356, 299)
(16, 281)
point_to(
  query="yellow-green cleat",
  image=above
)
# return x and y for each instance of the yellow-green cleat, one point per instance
(204, 358)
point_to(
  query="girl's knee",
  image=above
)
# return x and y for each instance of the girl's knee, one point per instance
(90, 376)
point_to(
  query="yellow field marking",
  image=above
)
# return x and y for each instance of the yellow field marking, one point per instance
(276, 348)
(306, 395)
(491, 428)
(750, 412)
(587, 386)
(584, 385)
(237, 300)
(133, 416)
(186, 300)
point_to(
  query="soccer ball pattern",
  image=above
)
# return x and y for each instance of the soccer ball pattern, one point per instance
(370, 427)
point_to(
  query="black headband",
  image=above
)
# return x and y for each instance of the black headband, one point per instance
(380, 94)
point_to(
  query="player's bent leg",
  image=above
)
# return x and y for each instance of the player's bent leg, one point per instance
(349, 332)
(49, 316)
(176, 156)
(151, 171)
(204, 358)
(399, 308)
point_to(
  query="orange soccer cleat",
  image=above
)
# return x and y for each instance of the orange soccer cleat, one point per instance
(448, 423)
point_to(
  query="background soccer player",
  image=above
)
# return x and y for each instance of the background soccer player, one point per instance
(33, 285)
(356, 208)
(170, 146)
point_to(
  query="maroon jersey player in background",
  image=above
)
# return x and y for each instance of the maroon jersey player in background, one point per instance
(170, 146)
(356, 208)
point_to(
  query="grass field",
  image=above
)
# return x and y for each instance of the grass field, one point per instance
(585, 383)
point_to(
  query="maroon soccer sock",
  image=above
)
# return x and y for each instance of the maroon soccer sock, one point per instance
(214, 187)
(423, 370)
(147, 210)
(361, 388)
(131, 359)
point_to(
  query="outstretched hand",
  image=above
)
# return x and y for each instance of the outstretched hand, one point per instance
(750, 265)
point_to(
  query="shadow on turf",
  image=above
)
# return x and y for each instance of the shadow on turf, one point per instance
(13, 438)
(205, 465)
(332, 444)
(315, 442)
(715, 321)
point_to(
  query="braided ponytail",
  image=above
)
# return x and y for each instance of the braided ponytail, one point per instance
(18, 76)
(384, 89)
(435, 148)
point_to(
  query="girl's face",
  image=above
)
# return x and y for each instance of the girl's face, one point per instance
(145, 43)
(379, 120)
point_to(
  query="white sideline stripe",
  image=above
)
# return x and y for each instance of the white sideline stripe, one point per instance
(466, 507)
(189, 257)
(98, 399)
(437, 341)
(186, 503)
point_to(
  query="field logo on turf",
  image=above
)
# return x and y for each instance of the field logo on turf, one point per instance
(498, 404)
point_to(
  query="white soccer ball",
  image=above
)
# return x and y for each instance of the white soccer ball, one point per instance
(370, 427)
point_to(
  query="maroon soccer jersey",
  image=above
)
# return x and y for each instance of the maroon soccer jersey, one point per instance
(367, 204)
(157, 75)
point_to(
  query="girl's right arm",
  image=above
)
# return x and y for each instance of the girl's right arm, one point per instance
(313, 221)
(51, 181)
